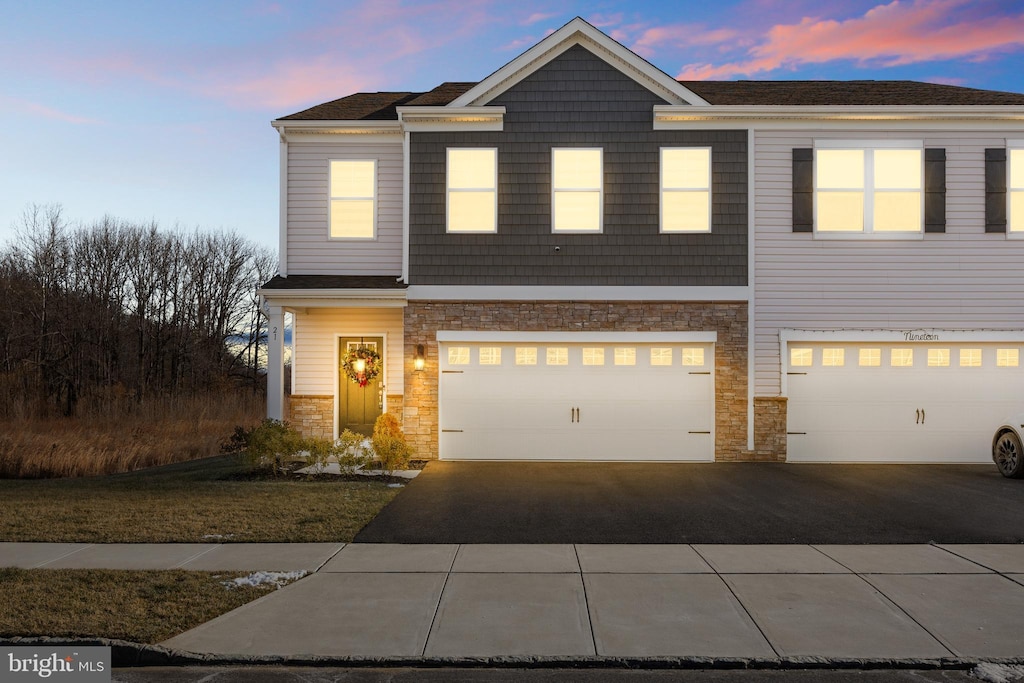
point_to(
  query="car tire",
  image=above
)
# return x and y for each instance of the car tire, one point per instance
(1008, 455)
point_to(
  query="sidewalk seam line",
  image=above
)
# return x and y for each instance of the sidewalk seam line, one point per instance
(586, 600)
(440, 597)
(738, 601)
(61, 557)
(181, 565)
(940, 641)
(330, 557)
(963, 557)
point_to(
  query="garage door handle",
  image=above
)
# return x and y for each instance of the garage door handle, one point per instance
(922, 415)
(917, 420)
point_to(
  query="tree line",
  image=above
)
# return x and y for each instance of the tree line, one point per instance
(95, 317)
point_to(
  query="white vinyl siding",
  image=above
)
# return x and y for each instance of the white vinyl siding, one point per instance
(962, 279)
(316, 336)
(310, 249)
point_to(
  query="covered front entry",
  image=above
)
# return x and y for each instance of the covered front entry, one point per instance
(359, 406)
(624, 396)
(900, 402)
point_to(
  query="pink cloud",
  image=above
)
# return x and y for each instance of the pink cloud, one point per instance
(37, 109)
(942, 80)
(681, 35)
(895, 34)
(603, 21)
(519, 43)
(538, 17)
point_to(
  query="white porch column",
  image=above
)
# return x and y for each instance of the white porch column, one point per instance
(275, 362)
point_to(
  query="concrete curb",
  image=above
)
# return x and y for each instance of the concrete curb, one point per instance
(125, 654)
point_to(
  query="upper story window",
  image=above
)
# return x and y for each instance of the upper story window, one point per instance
(472, 190)
(353, 210)
(869, 188)
(577, 188)
(685, 189)
(1015, 190)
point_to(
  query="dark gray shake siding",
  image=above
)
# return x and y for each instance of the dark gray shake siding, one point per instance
(578, 100)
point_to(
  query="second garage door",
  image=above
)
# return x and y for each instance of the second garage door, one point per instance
(913, 403)
(536, 399)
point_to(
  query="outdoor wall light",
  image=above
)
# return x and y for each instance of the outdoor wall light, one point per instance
(419, 362)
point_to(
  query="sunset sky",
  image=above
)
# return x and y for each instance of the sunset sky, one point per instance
(160, 111)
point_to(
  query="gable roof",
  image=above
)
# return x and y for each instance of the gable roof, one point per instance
(578, 32)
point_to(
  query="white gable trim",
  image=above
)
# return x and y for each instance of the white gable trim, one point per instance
(578, 32)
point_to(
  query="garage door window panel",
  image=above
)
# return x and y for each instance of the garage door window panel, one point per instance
(901, 358)
(1007, 358)
(938, 358)
(557, 355)
(970, 358)
(801, 357)
(490, 355)
(625, 355)
(526, 355)
(458, 355)
(833, 358)
(869, 358)
(869, 190)
(593, 355)
(661, 356)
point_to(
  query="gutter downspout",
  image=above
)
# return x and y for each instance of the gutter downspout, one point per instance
(406, 143)
(282, 265)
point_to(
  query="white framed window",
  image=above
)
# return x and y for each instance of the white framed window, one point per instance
(557, 355)
(869, 358)
(970, 358)
(352, 213)
(801, 358)
(472, 198)
(1015, 191)
(490, 355)
(577, 189)
(869, 188)
(693, 356)
(526, 355)
(833, 358)
(686, 189)
(1007, 358)
(625, 355)
(458, 355)
(661, 356)
(901, 358)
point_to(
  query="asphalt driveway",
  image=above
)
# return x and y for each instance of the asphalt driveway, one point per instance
(519, 502)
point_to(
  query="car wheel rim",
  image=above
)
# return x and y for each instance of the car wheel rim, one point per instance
(1007, 454)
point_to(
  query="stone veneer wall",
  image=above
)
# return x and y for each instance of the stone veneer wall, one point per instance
(769, 429)
(423, 319)
(312, 416)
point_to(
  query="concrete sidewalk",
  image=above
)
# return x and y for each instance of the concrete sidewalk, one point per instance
(757, 601)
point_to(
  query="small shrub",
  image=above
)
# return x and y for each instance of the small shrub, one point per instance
(389, 444)
(272, 444)
(317, 453)
(238, 441)
(350, 451)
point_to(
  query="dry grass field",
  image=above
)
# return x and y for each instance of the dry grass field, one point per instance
(108, 441)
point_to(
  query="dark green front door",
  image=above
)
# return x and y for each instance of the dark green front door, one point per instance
(358, 407)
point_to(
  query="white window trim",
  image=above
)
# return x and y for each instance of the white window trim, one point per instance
(600, 190)
(662, 190)
(1012, 145)
(448, 192)
(869, 191)
(331, 198)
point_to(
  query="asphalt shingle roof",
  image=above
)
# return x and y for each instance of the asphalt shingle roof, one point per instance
(380, 106)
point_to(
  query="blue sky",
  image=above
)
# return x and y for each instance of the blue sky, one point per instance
(160, 111)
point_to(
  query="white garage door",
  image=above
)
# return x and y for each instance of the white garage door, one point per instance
(870, 402)
(555, 400)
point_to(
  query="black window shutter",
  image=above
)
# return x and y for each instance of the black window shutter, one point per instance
(803, 190)
(935, 190)
(995, 190)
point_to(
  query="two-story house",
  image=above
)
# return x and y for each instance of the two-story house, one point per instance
(581, 258)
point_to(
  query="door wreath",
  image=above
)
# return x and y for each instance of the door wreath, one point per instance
(361, 365)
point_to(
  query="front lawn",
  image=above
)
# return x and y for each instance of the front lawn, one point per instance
(209, 500)
(140, 606)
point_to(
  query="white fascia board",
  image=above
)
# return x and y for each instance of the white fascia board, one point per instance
(579, 32)
(442, 119)
(334, 298)
(912, 335)
(376, 128)
(472, 336)
(574, 293)
(781, 117)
